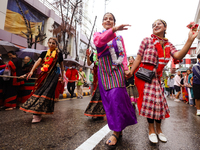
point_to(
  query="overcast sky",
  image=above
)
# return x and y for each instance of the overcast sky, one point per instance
(140, 14)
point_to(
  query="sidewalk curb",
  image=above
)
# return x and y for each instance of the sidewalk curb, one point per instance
(67, 95)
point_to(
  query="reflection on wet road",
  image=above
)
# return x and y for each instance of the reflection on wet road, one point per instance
(68, 129)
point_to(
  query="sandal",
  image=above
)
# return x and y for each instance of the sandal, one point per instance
(120, 134)
(112, 146)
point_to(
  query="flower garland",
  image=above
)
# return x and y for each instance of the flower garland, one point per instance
(116, 61)
(49, 57)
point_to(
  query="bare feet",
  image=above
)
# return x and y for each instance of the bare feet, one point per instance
(36, 118)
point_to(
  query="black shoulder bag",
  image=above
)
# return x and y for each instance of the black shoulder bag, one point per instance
(146, 74)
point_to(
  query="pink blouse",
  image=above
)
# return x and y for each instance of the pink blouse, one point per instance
(100, 39)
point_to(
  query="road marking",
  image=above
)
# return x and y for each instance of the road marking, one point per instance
(90, 143)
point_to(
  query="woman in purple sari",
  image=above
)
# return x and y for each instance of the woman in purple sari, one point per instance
(112, 70)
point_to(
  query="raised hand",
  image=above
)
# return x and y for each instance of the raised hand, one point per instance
(192, 34)
(88, 52)
(121, 27)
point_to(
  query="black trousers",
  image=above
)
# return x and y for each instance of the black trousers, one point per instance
(152, 120)
(71, 88)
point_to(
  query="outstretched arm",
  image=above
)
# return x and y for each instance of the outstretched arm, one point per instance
(37, 63)
(100, 39)
(191, 36)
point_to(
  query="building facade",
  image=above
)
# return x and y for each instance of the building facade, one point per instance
(188, 61)
(44, 14)
(197, 20)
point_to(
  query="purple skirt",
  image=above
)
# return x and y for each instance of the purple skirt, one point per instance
(119, 110)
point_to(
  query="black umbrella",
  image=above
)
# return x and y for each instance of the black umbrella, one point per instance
(6, 47)
(70, 61)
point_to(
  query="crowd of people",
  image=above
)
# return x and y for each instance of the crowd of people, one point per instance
(115, 85)
(184, 86)
(17, 86)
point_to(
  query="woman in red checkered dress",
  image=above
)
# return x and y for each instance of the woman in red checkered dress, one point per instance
(156, 49)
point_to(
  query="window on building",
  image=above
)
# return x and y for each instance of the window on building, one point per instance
(192, 52)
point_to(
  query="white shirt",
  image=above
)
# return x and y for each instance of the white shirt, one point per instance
(170, 82)
(177, 80)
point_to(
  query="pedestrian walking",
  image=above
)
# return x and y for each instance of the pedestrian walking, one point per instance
(130, 85)
(170, 83)
(166, 86)
(73, 76)
(188, 72)
(95, 107)
(177, 80)
(12, 86)
(42, 100)
(196, 84)
(81, 81)
(111, 78)
(155, 52)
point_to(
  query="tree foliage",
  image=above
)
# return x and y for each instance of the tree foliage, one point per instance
(66, 28)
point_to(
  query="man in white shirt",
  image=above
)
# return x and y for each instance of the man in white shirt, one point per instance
(177, 86)
(170, 83)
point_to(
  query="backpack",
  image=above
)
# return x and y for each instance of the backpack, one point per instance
(7, 72)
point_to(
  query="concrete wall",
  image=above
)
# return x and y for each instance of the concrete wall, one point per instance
(197, 20)
(3, 8)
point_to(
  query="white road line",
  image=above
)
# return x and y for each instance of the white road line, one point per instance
(90, 143)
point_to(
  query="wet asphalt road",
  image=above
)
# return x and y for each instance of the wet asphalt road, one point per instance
(68, 128)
